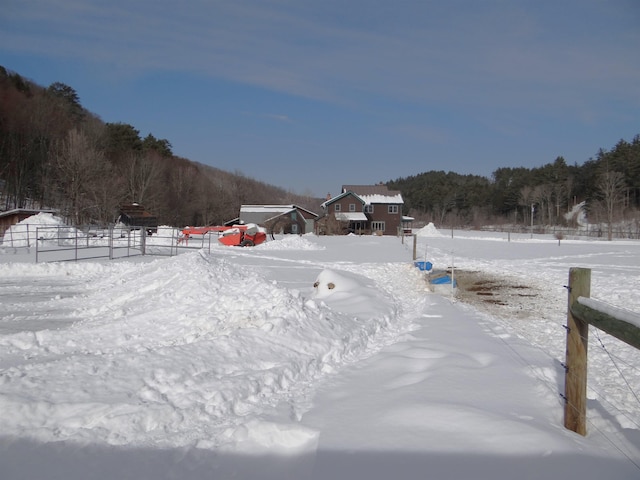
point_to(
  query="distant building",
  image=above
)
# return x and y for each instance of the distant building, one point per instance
(364, 209)
(135, 215)
(279, 218)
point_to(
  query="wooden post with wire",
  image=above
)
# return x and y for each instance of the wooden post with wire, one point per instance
(575, 387)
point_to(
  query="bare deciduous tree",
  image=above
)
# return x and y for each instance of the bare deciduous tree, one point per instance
(77, 167)
(142, 171)
(611, 189)
(526, 200)
(543, 196)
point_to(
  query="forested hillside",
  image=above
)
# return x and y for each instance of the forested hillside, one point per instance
(56, 154)
(609, 183)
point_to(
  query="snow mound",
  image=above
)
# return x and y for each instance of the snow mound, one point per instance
(349, 293)
(290, 242)
(43, 219)
(44, 226)
(429, 231)
(166, 231)
(260, 436)
(336, 285)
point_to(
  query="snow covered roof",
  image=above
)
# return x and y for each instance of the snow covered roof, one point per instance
(266, 208)
(370, 199)
(272, 209)
(261, 214)
(369, 194)
(375, 193)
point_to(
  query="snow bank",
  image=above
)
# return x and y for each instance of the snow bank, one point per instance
(289, 242)
(40, 226)
(429, 230)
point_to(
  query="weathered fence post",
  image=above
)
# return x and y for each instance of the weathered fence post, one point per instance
(143, 240)
(415, 246)
(75, 247)
(111, 234)
(37, 246)
(575, 386)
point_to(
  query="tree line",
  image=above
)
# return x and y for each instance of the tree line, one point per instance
(609, 184)
(56, 154)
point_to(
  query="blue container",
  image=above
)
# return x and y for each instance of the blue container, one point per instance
(424, 266)
(444, 280)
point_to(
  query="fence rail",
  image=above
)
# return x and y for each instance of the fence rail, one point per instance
(73, 243)
(583, 311)
(58, 243)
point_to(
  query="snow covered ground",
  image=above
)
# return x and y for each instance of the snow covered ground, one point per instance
(312, 358)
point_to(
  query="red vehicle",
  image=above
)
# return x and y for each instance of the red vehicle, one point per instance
(237, 235)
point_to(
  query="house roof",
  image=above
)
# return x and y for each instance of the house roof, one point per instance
(274, 210)
(265, 208)
(262, 214)
(342, 195)
(134, 210)
(375, 193)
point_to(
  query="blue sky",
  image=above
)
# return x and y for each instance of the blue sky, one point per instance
(309, 95)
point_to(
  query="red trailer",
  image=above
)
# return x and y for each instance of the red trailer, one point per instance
(236, 235)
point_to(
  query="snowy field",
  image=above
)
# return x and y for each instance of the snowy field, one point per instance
(312, 358)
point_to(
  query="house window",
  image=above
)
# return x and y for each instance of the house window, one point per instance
(393, 209)
(352, 207)
(337, 207)
(294, 228)
(377, 226)
(368, 208)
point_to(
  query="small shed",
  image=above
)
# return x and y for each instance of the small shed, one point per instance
(134, 215)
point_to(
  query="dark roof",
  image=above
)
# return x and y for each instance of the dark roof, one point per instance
(342, 195)
(135, 211)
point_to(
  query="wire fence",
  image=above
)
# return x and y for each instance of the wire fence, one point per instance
(73, 243)
(593, 231)
(55, 243)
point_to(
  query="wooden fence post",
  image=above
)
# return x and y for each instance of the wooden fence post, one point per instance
(415, 246)
(575, 386)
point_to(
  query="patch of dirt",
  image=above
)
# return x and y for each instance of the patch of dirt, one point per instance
(491, 292)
